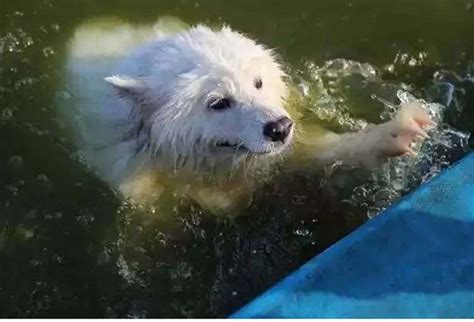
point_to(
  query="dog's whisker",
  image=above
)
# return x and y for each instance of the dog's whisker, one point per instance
(249, 164)
(234, 161)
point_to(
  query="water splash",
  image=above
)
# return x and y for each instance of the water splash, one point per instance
(400, 175)
(340, 89)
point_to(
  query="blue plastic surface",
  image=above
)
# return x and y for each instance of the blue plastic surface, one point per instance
(416, 259)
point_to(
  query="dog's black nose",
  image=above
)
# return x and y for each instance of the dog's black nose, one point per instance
(279, 130)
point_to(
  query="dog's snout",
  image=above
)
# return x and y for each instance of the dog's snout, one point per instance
(279, 130)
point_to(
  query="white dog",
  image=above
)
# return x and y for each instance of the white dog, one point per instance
(205, 101)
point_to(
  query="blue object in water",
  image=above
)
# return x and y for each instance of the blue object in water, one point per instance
(416, 259)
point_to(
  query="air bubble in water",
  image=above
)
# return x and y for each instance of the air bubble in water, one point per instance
(48, 51)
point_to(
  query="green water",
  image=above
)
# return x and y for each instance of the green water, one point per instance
(70, 247)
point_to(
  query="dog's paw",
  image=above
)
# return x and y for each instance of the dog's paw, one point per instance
(408, 125)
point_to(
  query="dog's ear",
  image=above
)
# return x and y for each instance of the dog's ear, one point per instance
(129, 88)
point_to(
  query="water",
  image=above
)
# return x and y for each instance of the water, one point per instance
(69, 246)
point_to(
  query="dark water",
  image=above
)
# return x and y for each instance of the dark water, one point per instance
(70, 247)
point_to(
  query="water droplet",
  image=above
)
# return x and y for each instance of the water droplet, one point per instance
(15, 163)
(43, 178)
(48, 51)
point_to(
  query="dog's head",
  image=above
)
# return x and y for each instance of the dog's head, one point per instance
(211, 94)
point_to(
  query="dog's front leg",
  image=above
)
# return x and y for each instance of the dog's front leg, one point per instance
(142, 187)
(369, 147)
(221, 200)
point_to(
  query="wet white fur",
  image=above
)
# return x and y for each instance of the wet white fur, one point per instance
(149, 110)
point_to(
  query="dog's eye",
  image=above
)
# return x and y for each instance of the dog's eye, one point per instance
(258, 83)
(220, 104)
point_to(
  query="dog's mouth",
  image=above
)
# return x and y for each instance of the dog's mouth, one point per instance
(234, 146)
(240, 147)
